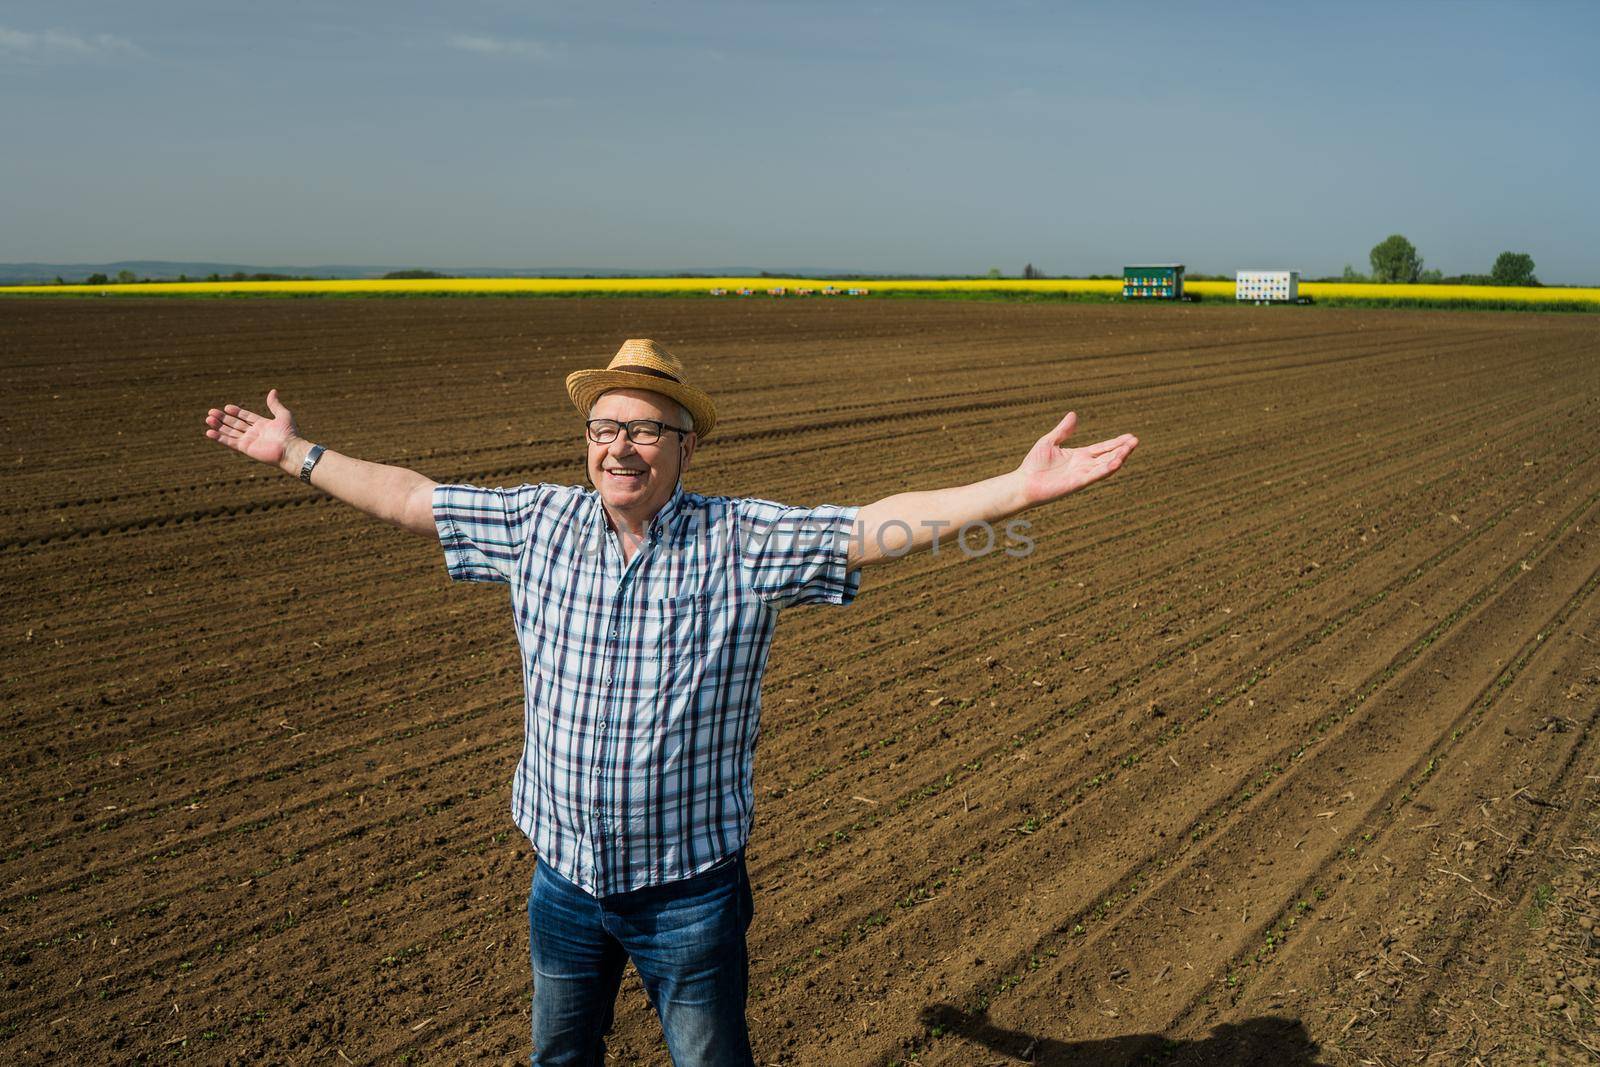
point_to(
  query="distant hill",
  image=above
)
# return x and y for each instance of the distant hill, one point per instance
(170, 270)
(163, 270)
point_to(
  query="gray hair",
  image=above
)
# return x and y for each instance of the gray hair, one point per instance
(684, 417)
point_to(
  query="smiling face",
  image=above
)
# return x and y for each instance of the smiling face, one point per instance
(634, 481)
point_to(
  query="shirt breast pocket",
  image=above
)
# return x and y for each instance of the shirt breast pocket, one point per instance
(676, 634)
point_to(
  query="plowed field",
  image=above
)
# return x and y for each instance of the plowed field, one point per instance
(1280, 748)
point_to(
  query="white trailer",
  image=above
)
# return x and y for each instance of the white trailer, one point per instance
(1269, 286)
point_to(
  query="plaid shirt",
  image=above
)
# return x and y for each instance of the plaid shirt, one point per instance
(643, 679)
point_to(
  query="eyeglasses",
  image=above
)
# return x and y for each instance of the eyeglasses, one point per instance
(639, 431)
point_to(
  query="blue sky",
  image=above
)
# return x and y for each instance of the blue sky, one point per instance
(923, 137)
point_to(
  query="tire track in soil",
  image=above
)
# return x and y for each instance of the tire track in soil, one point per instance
(1442, 749)
(1113, 687)
(1540, 931)
(1283, 925)
(1242, 858)
(1428, 916)
(1095, 602)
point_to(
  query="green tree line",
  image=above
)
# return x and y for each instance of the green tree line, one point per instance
(1395, 260)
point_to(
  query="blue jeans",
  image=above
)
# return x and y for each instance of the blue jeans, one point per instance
(686, 939)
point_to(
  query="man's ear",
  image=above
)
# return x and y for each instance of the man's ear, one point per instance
(686, 447)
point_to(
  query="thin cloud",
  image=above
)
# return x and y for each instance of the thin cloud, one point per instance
(59, 45)
(510, 47)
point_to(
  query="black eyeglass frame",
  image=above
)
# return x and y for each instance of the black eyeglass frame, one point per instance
(627, 429)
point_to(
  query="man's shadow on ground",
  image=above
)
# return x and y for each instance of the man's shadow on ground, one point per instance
(1268, 1040)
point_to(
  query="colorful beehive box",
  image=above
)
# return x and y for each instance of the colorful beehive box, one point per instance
(1153, 281)
(1267, 286)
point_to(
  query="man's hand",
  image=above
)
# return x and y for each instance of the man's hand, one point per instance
(1051, 470)
(909, 522)
(256, 436)
(394, 494)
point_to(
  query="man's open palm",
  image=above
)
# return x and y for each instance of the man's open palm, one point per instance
(1052, 470)
(255, 435)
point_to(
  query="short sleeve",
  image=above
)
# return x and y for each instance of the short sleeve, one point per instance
(485, 531)
(796, 555)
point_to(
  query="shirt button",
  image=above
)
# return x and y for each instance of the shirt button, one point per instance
(610, 678)
(601, 727)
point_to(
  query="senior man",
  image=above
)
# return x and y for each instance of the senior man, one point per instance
(644, 614)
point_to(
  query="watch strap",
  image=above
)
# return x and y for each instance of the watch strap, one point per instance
(310, 462)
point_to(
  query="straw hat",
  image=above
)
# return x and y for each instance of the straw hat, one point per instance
(643, 364)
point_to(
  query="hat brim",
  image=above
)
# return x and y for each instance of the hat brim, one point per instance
(585, 387)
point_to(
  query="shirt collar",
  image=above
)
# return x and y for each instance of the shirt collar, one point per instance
(668, 512)
(658, 523)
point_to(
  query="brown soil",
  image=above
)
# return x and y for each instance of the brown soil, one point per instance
(1280, 748)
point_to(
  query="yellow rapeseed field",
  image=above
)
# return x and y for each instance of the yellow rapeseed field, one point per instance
(1330, 291)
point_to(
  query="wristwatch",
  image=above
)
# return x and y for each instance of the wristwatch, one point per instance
(310, 462)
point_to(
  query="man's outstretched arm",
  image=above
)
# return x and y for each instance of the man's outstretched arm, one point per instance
(393, 494)
(1050, 471)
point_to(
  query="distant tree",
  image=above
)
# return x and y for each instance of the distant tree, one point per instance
(426, 274)
(97, 279)
(1395, 259)
(183, 277)
(1030, 271)
(1352, 275)
(1513, 268)
(125, 277)
(59, 280)
(1431, 277)
(994, 272)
